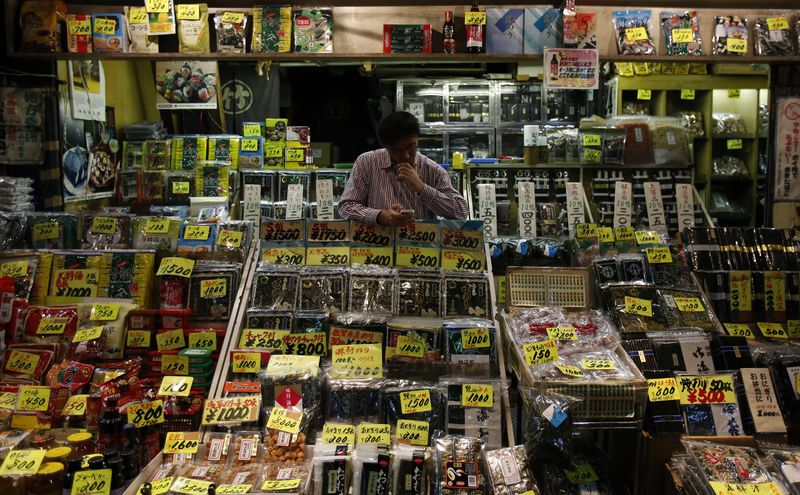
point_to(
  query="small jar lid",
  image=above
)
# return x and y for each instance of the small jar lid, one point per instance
(82, 436)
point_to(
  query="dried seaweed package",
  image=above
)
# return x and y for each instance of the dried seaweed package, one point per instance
(332, 469)
(473, 409)
(730, 35)
(272, 29)
(212, 178)
(353, 400)
(682, 33)
(418, 293)
(269, 318)
(634, 32)
(710, 405)
(265, 179)
(106, 230)
(193, 29)
(773, 37)
(371, 469)
(157, 155)
(12, 231)
(410, 470)
(212, 290)
(415, 402)
(230, 27)
(159, 233)
(372, 289)
(179, 187)
(276, 287)
(128, 185)
(414, 339)
(635, 308)
(472, 342)
(53, 230)
(466, 295)
(509, 472)
(196, 239)
(298, 388)
(127, 275)
(323, 289)
(463, 457)
(233, 239)
(187, 151)
(313, 30)
(686, 309)
(152, 185)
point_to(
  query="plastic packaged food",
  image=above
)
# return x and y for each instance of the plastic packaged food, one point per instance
(693, 122)
(106, 230)
(246, 450)
(574, 331)
(288, 473)
(730, 35)
(462, 456)
(424, 331)
(193, 33)
(472, 342)
(372, 289)
(728, 125)
(140, 42)
(40, 24)
(371, 469)
(483, 421)
(726, 463)
(353, 401)
(466, 295)
(509, 472)
(418, 294)
(634, 32)
(212, 290)
(682, 33)
(773, 37)
(670, 142)
(410, 470)
(414, 401)
(276, 287)
(230, 26)
(323, 288)
(729, 166)
(53, 230)
(332, 469)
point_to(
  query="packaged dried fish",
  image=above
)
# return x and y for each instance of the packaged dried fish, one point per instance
(730, 35)
(682, 33)
(233, 239)
(634, 32)
(574, 331)
(287, 431)
(230, 27)
(459, 466)
(726, 463)
(509, 472)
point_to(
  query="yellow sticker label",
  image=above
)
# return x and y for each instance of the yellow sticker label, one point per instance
(592, 156)
(177, 386)
(562, 333)
(419, 233)
(306, 344)
(736, 45)
(734, 93)
(146, 414)
(721, 488)
(232, 410)
(22, 362)
(176, 267)
(214, 288)
(138, 15)
(794, 328)
(415, 401)
(8, 400)
(357, 361)
(328, 256)
(196, 232)
(625, 234)
(182, 442)
(175, 365)
(180, 187)
(246, 362)
(583, 474)
(337, 434)
(32, 398)
(734, 144)
(772, 330)
(203, 340)
(777, 23)
(474, 18)
(605, 234)
(52, 326)
(407, 346)
(570, 371)
(45, 231)
(138, 339)
(285, 364)
(230, 238)
(285, 420)
(22, 462)
(477, 395)
(249, 145)
(418, 257)
(104, 312)
(85, 334)
(689, 304)
(644, 94)
(79, 27)
(739, 330)
(190, 11)
(740, 291)
(774, 291)
(591, 139)
(189, 486)
(598, 364)
(156, 226)
(463, 260)
(284, 256)
(374, 434)
(170, 340)
(647, 237)
(250, 130)
(475, 338)
(14, 269)
(586, 231)
(156, 6)
(103, 225)
(233, 17)
(662, 389)
(636, 306)
(658, 255)
(27, 422)
(256, 338)
(687, 94)
(234, 489)
(636, 34)
(280, 485)
(625, 69)
(92, 482)
(295, 154)
(371, 256)
(706, 389)
(412, 432)
(682, 35)
(104, 26)
(161, 486)
(540, 352)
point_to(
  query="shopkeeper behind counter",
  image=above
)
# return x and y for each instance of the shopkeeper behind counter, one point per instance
(396, 184)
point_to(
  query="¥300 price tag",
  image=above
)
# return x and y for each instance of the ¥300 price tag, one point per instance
(540, 352)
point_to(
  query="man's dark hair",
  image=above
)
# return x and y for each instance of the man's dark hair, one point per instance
(397, 126)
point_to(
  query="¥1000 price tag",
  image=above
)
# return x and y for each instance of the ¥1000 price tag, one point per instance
(246, 362)
(52, 326)
(570, 371)
(475, 338)
(477, 395)
(407, 346)
(231, 410)
(103, 225)
(214, 288)
(540, 352)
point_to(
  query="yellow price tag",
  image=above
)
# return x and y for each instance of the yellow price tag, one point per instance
(662, 389)
(180, 187)
(570, 371)
(230, 238)
(412, 432)
(79, 27)
(138, 339)
(234, 489)
(188, 486)
(689, 304)
(540, 352)
(646, 237)
(22, 362)
(233, 17)
(290, 364)
(636, 34)
(736, 45)
(45, 231)
(156, 226)
(598, 364)
(706, 389)
(357, 361)
(33, 398)
(625, 69)
(306, 344)
(371, 256)
(22, 462)
(477, 395)
(285, 420)
(407, 346)
(138, 15)
(734, 144)
(374, 434)
(475, 18)
(104, 312)
(625, 234)
(177, 386)
(794, 328)
(249, 145)
(777, 23)
(636, 306)
(103, 225)
(657, 255)
(104, 26)
(14, 269)
(52, 326)
(415, 401)
(146, 414)
(254, 338)
(740, 291)
(280, 485)
(591, 139)
(772, 330)
(739, 330)
(85, 334)
(475, 338)
(605, 234)
(181, 442)
(683, 35)
(203, 340)
(562, 333)
(584, 474)
(174, 364)
(251, 130)
(189, 11)
(644, 94)
(592, 156)
(176, 267)
(295, 154)
(8, 400)
(75, 406)
(339, 434)
(462, 260)
(214, 288)
(721, 488)
(586, 231)
(196, 232)
(156, 6)
(687, 94)
(161, 486)
(734, 93)
(170, 340)
(246, 362)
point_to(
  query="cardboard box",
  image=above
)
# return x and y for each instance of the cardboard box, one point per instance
(543, 29)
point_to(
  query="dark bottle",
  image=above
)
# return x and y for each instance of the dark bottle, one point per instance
(475, 33)
(212, 489)
(554, 68)
(117, 475)
(73, 466)
(109, 431)
(449, 32)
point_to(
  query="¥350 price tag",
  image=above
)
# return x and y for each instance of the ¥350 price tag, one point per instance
(179, 386)
(138, 339)
(170, 340)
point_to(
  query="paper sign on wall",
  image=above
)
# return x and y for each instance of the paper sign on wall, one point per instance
(655, 207)
(526, 209)
(623, 197)
(487, 208)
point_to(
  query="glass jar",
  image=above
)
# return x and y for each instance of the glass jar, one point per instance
(81, 444)
(49, 480)
(12, 485)
(43, 439)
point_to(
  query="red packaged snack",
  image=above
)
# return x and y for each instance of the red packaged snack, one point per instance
(16, 325)
(89, 349)
(6, 298)
(118, 379)
(175, 318)
(70, 374)
(143, 319)
(51, 325)
(28, 361)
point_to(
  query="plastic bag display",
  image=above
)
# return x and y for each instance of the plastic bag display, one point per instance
(353, 401)
(483, 422)
(371, 470)
(332, 470)
(358, 328)
(113, 335)
(634, 32)
(574, 331)
(730, 35)
(681, 33)
(638, 142)
(269, 318)
(728, 125)
(52, 230)
(549, 426)
(509, 472)
(773, 37)
(299, 390)
(158, 233)
(212, 290)
(372, 289)
(466, 295)
(12, 231)
(416, 402)
(285, 446)
(277, 472)
(472, 342)
(323, 289)
(193, 34)
(459, 465)
(233, 240)
(276, 287)
(424, 331)
(410, 470)
(106, 230)
(730, 166)
(693, 122)
(670, 142)
(230, 28)
(624, 303)
(726, 463)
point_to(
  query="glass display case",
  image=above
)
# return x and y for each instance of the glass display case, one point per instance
(519, 101)
(569, 105)
(472, 142)
(432, 144)
(468, 103)
(422, 98)
(510, 141)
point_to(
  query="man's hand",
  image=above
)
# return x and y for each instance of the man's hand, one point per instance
(394, 216)
(408, 174)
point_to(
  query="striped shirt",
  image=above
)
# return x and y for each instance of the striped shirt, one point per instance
(374, 186)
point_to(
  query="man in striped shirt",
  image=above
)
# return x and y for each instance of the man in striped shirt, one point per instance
(396, 184)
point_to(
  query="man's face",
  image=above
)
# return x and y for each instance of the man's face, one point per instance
(404, 150)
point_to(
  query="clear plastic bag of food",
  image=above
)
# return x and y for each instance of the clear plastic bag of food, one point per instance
(287, 433)
(730, 35)
(371, 469)
(634, 32)
(323, 289)
(728, 125)
(298, 389)
(106, 230)
(574, 331)
(288, 477)
(693, 122)
(459, 466)
(634, 307)
(418, 294)
(276, 287)
(473, 408)
(231, 27)
(356, 401)
(509, 472)
(372, 289)
(687, 308)
(159, 233)
(670, 142)
(247, 450)
(550, 425)
(410, 470)
(414, 401)
(233, 240)
(682, 33)
(726, 463)
(216, 447)
(472, 342)
(466, 295)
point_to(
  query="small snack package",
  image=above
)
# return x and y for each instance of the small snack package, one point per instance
(230, 26)
(634, 32)
(193, 29)
(459, 463)
(109, 34)
(140, 41)
(682, 33)
(730, 35)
